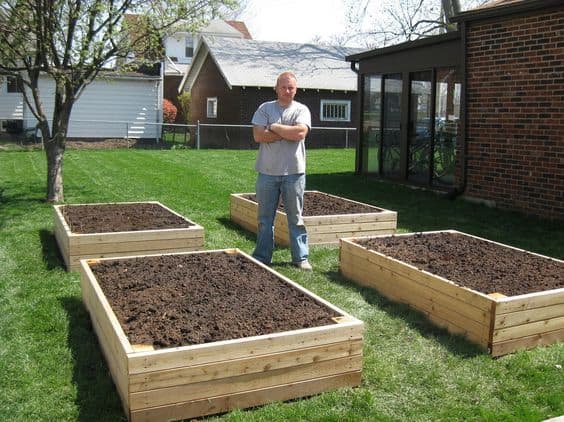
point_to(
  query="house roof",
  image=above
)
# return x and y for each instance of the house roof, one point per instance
(247, 63)
(221, 28)
(500, 8)
(242, 28)
(422, 42)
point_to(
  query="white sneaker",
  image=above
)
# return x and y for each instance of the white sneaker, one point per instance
(304, 265)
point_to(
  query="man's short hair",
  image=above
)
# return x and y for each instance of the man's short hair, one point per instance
(285, 74)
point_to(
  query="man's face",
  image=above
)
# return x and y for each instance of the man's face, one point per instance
(286, 90)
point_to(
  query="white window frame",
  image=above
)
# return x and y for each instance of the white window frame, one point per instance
(211, 113)
(338, 103)
(189, 46)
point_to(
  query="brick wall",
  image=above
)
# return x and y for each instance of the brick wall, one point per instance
(515, 112)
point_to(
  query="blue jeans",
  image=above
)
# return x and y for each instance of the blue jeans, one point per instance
(268, 191)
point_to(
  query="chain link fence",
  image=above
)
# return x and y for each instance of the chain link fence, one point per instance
(165, 135)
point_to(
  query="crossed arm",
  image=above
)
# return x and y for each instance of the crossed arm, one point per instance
(278, 131)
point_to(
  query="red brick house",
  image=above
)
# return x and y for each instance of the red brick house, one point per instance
(478, 112)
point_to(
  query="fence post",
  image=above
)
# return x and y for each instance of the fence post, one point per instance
(198, 136)
(346, 138)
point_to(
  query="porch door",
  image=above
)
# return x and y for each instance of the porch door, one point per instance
(372, 124)
(391, 126)
(420, 131)
(448, 90)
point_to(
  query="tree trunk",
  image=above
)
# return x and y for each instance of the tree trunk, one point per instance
(55, 149)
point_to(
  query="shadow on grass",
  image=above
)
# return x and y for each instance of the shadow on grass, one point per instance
(13, 206)
(50, 250)
(456, 344)
(230, 225)
(96, 396)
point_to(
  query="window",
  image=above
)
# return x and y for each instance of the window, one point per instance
(12, 85)
(335, 111)
(189, 46)
(372, 121)
(212, 107)
(419, 129)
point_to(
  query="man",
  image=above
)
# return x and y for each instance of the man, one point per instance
(280, 127)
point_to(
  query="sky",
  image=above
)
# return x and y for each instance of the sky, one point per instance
(293, 20)
(301, 21)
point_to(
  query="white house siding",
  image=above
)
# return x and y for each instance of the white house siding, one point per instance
(11, 104)
(110, 108)
(175, 46)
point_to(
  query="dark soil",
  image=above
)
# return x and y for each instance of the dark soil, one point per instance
(477, 264)
(103, 218)
(319, 203)
(174, 300)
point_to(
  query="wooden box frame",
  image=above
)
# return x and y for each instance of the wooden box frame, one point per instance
(321, 229)
(192, 381)
(498, 323)
(77, 246)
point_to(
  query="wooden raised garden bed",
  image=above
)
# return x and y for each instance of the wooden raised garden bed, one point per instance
(529, 313)
(327, 218)
(122, 229)
(223, 371)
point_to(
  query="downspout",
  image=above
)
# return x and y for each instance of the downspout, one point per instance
(459, 190)
(360, 93)
(451, 8)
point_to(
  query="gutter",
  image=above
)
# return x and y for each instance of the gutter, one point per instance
(460, 189)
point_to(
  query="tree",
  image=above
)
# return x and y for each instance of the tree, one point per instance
(373, 24)
(184, 100)
(72, 41)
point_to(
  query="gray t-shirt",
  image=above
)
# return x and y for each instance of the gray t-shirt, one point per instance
(283, 157)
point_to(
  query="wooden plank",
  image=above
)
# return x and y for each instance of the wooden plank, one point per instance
(530, 301)
(236, 349)
(528, 316)
(111, 337)
(351, 227)
(533, 328)
(247, 208)
(138, 246)
(221, 404)
(114, 361)
(501, 348)
(243, 204)
(480, 339)
(206, 389)
(350, 218)
(75, 260)
(457, 316)
(135, 236)
(247, 365)
(100, 307)
(335, 237)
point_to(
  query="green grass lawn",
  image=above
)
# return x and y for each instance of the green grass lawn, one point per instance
(51, 367)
